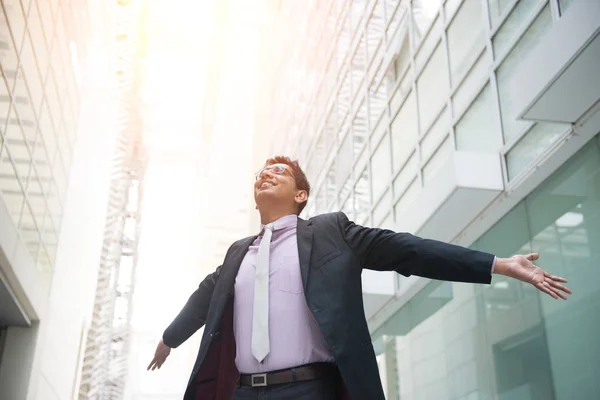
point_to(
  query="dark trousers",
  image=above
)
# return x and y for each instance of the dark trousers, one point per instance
(318, 389)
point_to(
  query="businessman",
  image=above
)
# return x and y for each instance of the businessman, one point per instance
(284, 314)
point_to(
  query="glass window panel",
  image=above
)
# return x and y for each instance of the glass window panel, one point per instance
(432, 86)
(24, 110)
(18, 147)
(348, 207)
(450, 8)
(396, 13)
(362, 193)
(564, 214)
(472, 82)
(408, 197)
(564, 5)
(358, 66)
(16, 20)
(497, 9)
(38, 39)
(513, 24)
(375, 27)
(359, 127)
(11, 189)
(404, 130)
(403, 89)
(533, 144)
(381, 168)
(345, 191)
(47, 132)
(438, 160)
(379, 131)
(382, 208)
(423, 12)
(54, 206)
(436, 134)
(330, 188)
(477, 130)
(9, 56)
(344, 160)
(432, 40)
(407, 175)
(30, 71)
(511, 127)
(362, 161)
(52, 98)
(29, 232)
(4, 102)
(466, 38)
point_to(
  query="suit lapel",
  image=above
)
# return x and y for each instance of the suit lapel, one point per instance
(304, 236)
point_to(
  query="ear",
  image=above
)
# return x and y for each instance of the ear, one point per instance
(301, 196)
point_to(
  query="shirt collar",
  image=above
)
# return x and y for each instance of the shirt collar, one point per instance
(284, 222)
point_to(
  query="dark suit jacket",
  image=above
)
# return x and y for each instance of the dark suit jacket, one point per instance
(333, 252)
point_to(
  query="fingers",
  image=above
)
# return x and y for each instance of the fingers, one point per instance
(532, 256)
(544, 287)
(154, 364)
(554, 284)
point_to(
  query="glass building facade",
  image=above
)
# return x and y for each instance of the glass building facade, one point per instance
(374, 98)
(507, 340)
(41, 42)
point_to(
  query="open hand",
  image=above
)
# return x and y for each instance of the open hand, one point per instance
(521, 267)
(160, 356)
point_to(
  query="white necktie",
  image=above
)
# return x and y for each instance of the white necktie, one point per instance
(260, 316)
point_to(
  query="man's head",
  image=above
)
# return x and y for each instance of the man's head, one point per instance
(281, 182)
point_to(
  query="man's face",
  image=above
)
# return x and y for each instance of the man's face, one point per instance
(276, 182)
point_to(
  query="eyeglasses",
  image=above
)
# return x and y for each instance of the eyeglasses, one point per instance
(277, 169)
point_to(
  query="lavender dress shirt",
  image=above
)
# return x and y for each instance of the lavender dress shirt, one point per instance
(295, 338)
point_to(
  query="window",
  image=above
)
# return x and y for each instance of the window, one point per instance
(465, 37)
(432, 86)
(381, 168)
(510, 125)
(404, 131)
(513, 24)
(477, 129)
(532, 145)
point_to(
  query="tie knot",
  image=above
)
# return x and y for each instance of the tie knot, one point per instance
(270, 227)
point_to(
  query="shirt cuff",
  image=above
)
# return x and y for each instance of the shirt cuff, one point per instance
(493, 265)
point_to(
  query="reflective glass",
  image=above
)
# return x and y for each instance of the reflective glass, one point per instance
(381, 168)
(404, 131)
(477, 129)
(511, 126)
(433, 86)
(506, 340)
(465, 37)
(541, 136)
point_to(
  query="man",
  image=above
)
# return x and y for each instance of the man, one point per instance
(284, 314)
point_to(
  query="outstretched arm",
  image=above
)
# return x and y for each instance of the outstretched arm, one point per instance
(191, 318)
(384, 250)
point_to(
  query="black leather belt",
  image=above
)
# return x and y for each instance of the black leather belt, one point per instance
(298, 374)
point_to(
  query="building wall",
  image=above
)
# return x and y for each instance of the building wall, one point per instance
(409, 115)
(55, 150)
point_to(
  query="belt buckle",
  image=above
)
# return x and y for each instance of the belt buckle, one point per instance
(259, 380)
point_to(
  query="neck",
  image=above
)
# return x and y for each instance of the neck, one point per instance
(272, 215)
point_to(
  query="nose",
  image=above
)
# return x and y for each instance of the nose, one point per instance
(268, 173)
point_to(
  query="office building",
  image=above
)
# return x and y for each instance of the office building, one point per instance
(470, 121)
(58, 135)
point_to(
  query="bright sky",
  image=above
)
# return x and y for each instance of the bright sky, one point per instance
(176, 249)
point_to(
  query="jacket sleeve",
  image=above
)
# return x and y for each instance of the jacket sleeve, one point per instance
(193, 315)
(384, 250)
